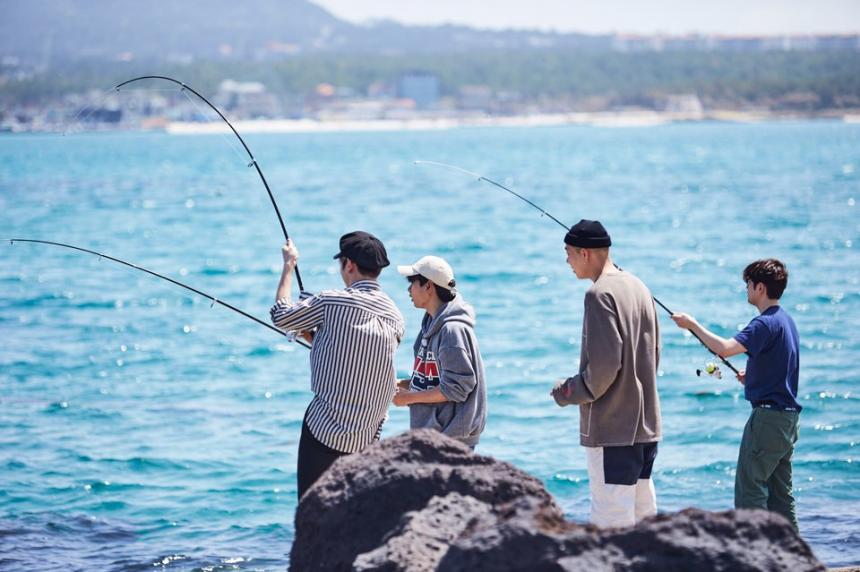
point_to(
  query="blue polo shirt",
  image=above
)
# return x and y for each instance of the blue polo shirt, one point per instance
(773, 362)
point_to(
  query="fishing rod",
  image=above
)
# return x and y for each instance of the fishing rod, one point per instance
(562, 225)
(171, 280)
(253, 162)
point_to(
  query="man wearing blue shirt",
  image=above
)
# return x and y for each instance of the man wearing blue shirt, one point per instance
(770, 341)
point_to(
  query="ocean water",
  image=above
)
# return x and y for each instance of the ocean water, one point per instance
(142, 429)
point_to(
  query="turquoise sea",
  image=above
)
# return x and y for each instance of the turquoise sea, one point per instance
(143, 429)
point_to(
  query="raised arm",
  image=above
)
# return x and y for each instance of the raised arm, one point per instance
(291, 257)
(301, 316)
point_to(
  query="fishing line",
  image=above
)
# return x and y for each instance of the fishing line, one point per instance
(90, 109)
(203, 113)
(492, 182)
(86, 111)
(253, 162)
(213, 299)
(561, 224)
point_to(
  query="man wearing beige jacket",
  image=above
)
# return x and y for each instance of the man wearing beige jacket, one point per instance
(616, 387)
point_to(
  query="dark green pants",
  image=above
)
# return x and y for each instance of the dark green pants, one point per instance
(763, 477)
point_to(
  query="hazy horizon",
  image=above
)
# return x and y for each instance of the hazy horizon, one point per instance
(671, 17)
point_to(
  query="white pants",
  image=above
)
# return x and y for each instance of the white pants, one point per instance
(617, 505)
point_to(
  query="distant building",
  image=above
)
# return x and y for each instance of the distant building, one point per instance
(684, 103)
(797, 43)
(687, 43)
(636, 43)
(727, 43)
(324, 90)
(742, 43)
(104, 115)
(381, 90)
(247, 99)
(508, 102)
(420, 87)
(476, 97)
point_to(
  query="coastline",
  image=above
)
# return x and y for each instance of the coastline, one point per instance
(619, 119)
(346, 123)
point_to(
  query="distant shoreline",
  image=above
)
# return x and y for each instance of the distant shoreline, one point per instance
(622, 119)
(345, 124)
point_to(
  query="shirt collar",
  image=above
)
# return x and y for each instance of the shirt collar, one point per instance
(368, 284)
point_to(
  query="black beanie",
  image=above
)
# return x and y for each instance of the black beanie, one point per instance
(588, 234)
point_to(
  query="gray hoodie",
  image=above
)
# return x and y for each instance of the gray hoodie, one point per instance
(447, 356)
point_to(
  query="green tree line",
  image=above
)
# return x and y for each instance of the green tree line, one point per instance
(832, 78)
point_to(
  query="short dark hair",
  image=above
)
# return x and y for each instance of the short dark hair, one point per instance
(770, 272)
(444, 294)
(363, 270)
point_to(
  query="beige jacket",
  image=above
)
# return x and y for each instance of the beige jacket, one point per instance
(616, 387)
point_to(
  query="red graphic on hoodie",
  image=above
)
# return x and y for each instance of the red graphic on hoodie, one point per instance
(425, 371)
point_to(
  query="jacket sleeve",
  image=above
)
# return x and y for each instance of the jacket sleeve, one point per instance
(457, 377)
(299, 316)
(603, 344)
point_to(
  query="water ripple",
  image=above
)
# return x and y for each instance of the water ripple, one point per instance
(141, 429)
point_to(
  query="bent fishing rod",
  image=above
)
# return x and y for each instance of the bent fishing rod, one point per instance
(157, 275)
(253, 162)
(562, 225)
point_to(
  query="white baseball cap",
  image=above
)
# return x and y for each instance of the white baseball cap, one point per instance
(434, 269)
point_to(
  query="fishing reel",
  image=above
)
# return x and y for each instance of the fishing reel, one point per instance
(711, 369)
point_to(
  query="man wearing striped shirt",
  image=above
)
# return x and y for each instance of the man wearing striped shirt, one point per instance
(355, 334)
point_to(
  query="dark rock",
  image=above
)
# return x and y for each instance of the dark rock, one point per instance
(744, 540)
(422, 537)
(421, 501)
(363, 497)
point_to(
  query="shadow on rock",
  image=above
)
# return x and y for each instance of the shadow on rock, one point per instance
(421, 501)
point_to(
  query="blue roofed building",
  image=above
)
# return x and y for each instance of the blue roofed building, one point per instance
(420, 87)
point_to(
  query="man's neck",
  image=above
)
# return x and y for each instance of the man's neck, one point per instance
(766, 303)
(433, 306)
(607, 266)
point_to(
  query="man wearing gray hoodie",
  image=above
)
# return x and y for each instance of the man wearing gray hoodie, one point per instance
(447, 391)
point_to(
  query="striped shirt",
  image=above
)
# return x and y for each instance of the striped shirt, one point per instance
(352, 360)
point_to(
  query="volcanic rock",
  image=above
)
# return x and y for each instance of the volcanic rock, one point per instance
(421, 501)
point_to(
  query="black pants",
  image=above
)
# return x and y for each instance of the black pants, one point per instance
(314, 459)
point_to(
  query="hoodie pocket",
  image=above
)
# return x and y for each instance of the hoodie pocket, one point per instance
(443, 417)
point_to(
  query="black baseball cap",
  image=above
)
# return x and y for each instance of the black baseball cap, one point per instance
(588, 234)
(364, 249)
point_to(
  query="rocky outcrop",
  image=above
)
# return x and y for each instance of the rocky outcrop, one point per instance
(420, 501)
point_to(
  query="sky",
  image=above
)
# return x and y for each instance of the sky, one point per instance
(674, 17)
